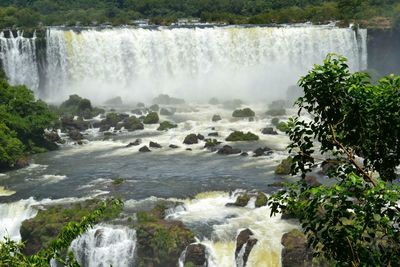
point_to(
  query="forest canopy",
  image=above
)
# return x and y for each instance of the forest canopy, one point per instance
(32, 13)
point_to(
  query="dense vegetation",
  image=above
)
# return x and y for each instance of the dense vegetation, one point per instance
(354, 123)
(31, 13)
(22, 123)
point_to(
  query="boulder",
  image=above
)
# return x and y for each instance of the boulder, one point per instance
(144, 149)
(245, 242)
(167, 112)
(69, 123)
(115, 101)
(191, 139)
(211, 143)
(261, 200)
(262, 151)
(167, 100)
(21, 163)
(200, 137)
(213, 101)
(241, 136)
(275, 121)
(52, 136)
(295, 251)
(269, 130)
(311, 181)
(228, 150)
(276, 112)
(216, 118)
(151, 118)
(195, 255)
(329, 165)
(133, 124)
(214, 134)
(135, 143)
(137, 111)
(113, 118)
(166, 125)
(173, 146)
(75, 135)
(243, 113)
(78, 106)
(154, 145)
(283, 126)
(244, 154)
(154, 108)
(104, 128)
(285, 167)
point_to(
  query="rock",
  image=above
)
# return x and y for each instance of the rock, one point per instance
(228, 150)
(214, 134)
(216, 118)
(140, 105)
(242, 200)
(154, 145)
(154, 108)
(166, 112)
(311, 181)
(144, 149)
(75, 135)
(251, 119)
(21, 163)
(116, 101)
(137, 111)
(283, 126)
(240, 136)
(245, 240)
(133, 124)
(68, 123)
(200, 137)
(195, 255)
(295, 251)
(244, 154)
(269, 130)
(285, 167)
(275, 121)
(329, 165)
(262, 151)
(276, 112)
(167, 100)
(104, 128)
(191, 139)
(113, 118)
(211, 143)
(213, 101)
(52, 136)
(243, 113)
(166, 125)
(261, 200)
(136, 143)
(189, 149)
(173, 146)
(78, 106)
(151, 118)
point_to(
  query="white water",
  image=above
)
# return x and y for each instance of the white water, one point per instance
(18, 59)
(104, 246)
(13, 214)
(255, 63)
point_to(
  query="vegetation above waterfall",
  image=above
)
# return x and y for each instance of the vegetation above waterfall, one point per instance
(28, 13)
(23, 121)
(356, 220)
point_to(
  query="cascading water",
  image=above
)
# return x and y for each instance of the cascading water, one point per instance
(194, 63)
(18, 59)
(105, 246)
(13, 214)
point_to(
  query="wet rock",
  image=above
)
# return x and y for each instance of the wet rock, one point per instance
(68, 123)
(276, 112)
(311, 181)
(21, 163)
(191, 139)
(269, 130)
(216, 118)
(52, 136)
(200, 137)
(189, 149)
(241, 136)
(151, 118)
(75, 135)
(104, 128)
(261, 200)
(295, 251)
(167, 112)
(243, 113)
(173, 146)
(116, 101)
(251, 119)
(262, 151)
(213, 101)
(275, 121)
(140, 105)
(211, 143)
(283, 126)
(244, 241)
(133, 124)
(154, 145)
(135, 143)
(228, 150)
(167, 100)
(154, 108)
(137, 111)
(166, 125)
(78, 106)
(242, 200)
(195, 255)
(285, 167)
(112, 119)
(329, 165)
(244, 154)
(144, 149)
(214, 134)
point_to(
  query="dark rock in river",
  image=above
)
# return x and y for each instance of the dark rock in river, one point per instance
(21, 163)
(295, 251)
(133, 124)
(245, 240)
(140, 105)
(243, 113)
(173, 146)
(191, 139)
(166, 125)
(136, 143)
(311, 181)
(154, 108)
(261, 200)
(262, 151)
(195, 255)
(144, 149)
(200, 137)
(52, 136)
(68, 123)
(151, 118)
(241, 136)
(285, 167)
(216, 118)
(214, 134)
(75, 135)
(167, 100)
(211, 143)
(137, 111)
(104, 128)
(228, 150)
(154, 145)
(269, 130)
(167, 112)
(244, 154)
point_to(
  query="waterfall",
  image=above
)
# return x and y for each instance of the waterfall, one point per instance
(104, 246)
(18, 59)
(13, 214)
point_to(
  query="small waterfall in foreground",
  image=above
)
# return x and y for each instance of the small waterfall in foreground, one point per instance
(13, 214)
(105, 246)
(18, 59)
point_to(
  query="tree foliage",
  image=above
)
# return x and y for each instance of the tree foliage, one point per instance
(356, 220)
